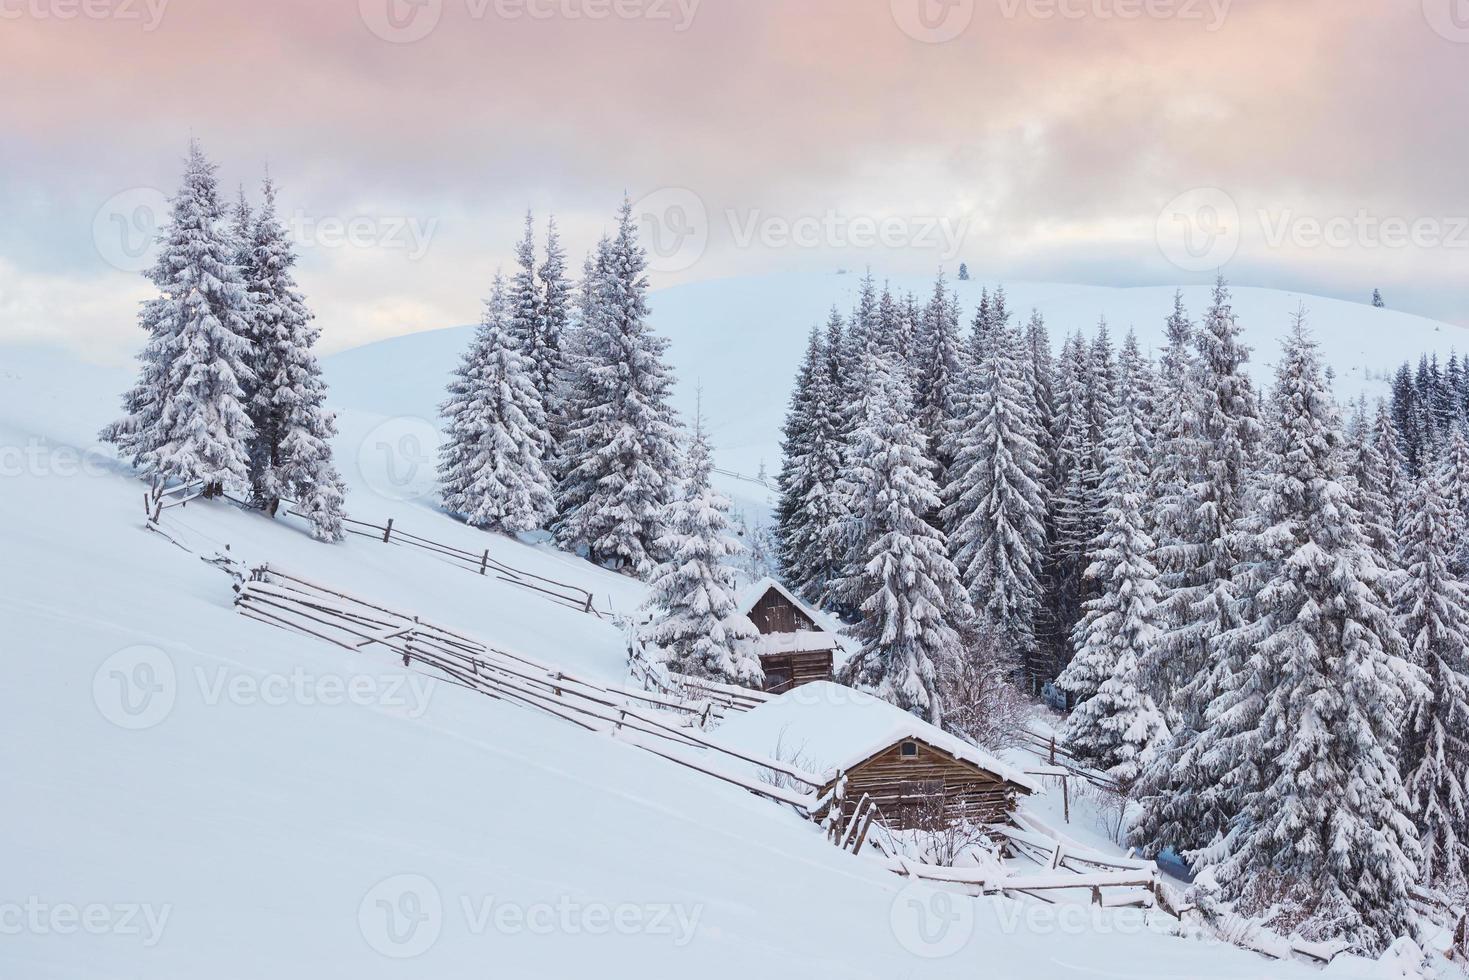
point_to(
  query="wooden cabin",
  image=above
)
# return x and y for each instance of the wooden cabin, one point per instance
(917, 774)
(792, 646)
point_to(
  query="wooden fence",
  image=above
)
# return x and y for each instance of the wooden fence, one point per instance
(638, 717)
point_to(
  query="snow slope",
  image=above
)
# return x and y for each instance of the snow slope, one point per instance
(193, 794)
(740, 340)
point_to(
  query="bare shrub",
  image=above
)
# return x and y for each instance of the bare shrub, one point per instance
(981, 701)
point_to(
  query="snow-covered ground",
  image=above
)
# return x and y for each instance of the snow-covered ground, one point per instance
(193, 794)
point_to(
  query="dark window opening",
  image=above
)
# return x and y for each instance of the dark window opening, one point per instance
(908, 750)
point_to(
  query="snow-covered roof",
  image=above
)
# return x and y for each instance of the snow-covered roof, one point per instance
(829, 727)
(804, 641)
(753, 593)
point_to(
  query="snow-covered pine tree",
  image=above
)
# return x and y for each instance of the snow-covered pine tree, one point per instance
(912, 602)
(826, 506)
(1377, 478)
(1074, 506)
(936, 373)
(995, 503)
(793, 530)
(1452, 467)
(1377, 299)
(291, 453)
(185, 418)
(1195, 524)
(1117, 725)
(622, 439)
(692, 591)
(555, 321)
(503, 483)
(1433, 610)
(1311, 693)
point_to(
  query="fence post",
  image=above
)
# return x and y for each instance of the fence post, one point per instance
(387, 531)
(484, 561)
(589, 600)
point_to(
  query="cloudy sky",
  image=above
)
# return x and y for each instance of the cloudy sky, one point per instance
(1317, 145)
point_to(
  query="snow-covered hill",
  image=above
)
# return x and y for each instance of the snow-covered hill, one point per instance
(194, 794)
(739, 341)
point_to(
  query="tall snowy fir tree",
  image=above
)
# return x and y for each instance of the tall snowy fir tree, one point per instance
(1304, 735)
(1377, 477)
(1433, 607)
(937, 365)
(692, 592)
(493, 468)
(1451, 465)
(994, 501)
(185, 420)
(291, 453)
(1117, 725)
(547, 355)
(621, 441)
(912, 602)
(806, 518)
(1195, 520)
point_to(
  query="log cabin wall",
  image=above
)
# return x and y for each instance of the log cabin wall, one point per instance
(899, 784)
(774, 613)
(784, 671)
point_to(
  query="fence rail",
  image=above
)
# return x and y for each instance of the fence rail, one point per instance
(279, 598)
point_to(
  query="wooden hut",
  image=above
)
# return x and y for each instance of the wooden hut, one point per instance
(792, 646)
(916, 773)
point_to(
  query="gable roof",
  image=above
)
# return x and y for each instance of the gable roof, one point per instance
(754, 593)
(831, 727)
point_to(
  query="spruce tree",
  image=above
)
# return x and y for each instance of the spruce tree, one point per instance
(807, 520)
(621, 441)
(1433, 610)
(936, 373)
(1311, 692)
(1178, 793)
(498, 430)
(1117, 725)
(185, 419)
(555, 307)
(291, 453)
(692, 591)
(995, 505)
(912, 603)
